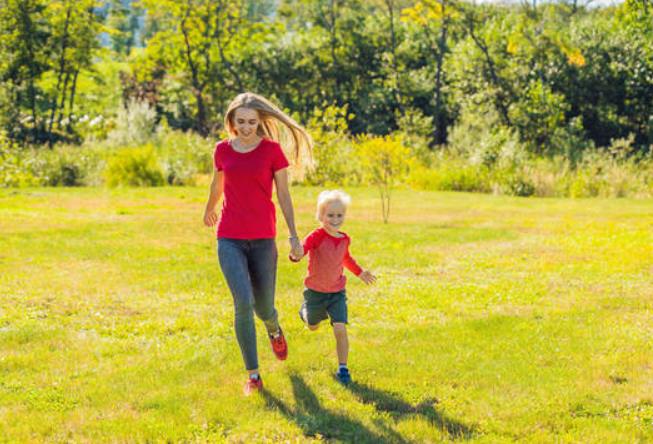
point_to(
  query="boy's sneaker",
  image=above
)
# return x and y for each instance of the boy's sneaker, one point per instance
(279, 345)
(253, 385)
(343, 376)
(302, 314)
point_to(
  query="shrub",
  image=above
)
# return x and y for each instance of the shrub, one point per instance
(135, 124)
(15, 165)
(460, 177)
(416, 131)
(333, 154)
(386, 162)
(519, 184)
(68, 165)
(183, 156)
(134, 167)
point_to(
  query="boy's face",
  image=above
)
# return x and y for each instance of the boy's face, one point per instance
(333, 216)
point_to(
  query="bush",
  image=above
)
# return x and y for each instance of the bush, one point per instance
(416, 131)
(183, 156)
(450, 174)
(68, 165)
(134, 167)
(135, 124)
(519, 184)
(459, 177)
(333, 154)
(386, 162)
(15, 165)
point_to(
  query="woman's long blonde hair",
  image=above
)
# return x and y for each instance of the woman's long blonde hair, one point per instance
(294, 138)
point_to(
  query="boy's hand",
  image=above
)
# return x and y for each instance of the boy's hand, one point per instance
(367, 277)
(296, 249)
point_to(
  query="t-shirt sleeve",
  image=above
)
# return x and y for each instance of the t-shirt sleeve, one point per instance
(279, 160)
(351, 264)
(311, 241)
(217, 158)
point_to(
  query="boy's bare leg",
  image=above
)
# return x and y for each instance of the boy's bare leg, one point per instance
(342, 342)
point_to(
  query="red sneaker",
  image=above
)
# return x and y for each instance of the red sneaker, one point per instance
(279, 346)
(253, 385)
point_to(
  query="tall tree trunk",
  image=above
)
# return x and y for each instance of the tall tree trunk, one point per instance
(31, 90)
(62, 67)
(390, 4)
(440, 117)
(197, 85)
(221, 45)
(62, 105)
(500, 99)
(333, 41)
(71, 102)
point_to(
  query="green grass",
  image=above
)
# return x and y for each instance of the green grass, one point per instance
(494, 319)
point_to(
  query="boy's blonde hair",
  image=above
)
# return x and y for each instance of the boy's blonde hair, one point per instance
(328, 196)
(270, 115)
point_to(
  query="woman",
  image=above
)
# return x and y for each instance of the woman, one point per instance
(246, 166)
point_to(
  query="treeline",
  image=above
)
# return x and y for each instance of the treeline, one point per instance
(559, 78)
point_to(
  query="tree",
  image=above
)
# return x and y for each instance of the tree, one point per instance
(434, 18)
(75, 27)
(23, 41)
(385, 161)
(200, 39)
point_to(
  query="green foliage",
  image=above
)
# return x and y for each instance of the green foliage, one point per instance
(482, 139)
(612, 173)
(385, 162)
(15, 165)
(518, 184)
(448, 174)
(183, 156)
(416, 130)
(134, 167)
(335, 163)
(135, 124)
(537, 115)
(70, 165)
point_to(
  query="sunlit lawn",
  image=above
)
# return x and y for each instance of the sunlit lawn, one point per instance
(493, 319)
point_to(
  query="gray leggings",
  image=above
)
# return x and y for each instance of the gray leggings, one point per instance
(250, 268)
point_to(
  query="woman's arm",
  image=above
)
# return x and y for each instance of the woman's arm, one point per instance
(215, 193)
(285, 202)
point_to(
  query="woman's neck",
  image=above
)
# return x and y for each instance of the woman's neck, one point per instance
(242, 144)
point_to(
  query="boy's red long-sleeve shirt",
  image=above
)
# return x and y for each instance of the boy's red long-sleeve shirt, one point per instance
(327, 256)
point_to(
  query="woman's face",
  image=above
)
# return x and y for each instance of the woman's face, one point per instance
(246, 122)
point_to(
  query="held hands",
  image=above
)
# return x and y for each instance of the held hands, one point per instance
(296, 249)
(367, 277)
(210, 218)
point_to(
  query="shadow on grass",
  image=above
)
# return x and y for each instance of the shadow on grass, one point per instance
(391, 403)
(315, 420)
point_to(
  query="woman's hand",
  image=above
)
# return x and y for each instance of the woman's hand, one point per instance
(210, 218)
(296, 249)
(367, 277)
(215, 192)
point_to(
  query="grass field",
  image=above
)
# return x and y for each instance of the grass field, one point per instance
(494, 319)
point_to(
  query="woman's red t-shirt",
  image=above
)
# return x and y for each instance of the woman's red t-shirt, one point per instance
(247, 208)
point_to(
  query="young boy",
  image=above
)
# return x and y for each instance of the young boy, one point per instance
(328, 253)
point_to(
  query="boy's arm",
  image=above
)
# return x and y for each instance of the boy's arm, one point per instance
(351, 265)
(307, 244)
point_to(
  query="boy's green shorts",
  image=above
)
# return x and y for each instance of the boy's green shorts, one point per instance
(321, 306)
